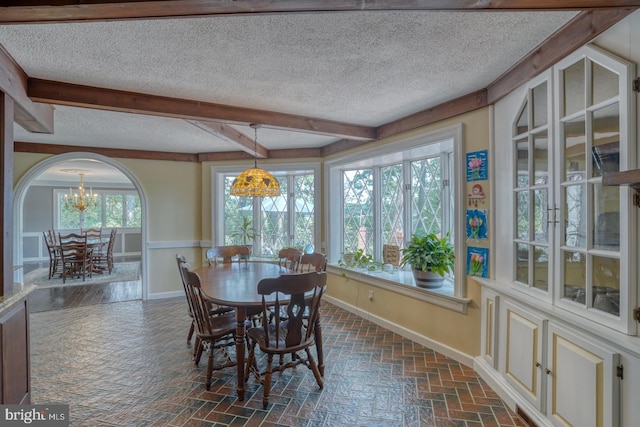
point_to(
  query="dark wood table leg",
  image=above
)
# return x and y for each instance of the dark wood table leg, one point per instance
(318, 337)
(241, 317)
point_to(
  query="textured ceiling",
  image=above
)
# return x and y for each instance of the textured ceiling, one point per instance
(366, 68)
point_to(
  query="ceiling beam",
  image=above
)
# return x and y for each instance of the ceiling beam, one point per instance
(575, 33)
(38, 11)
(13, 81)
(232, 136)
(73, 95)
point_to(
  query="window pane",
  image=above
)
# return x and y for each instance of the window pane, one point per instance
(575, 216)
(358, 211)
(540, 105)
(275, 222)
(606, 284)
(114, 206)
(69, 218)
(392, 205)
(575, 276)
(606, 140)
(540, 159)
(304, 191)
(426, 196)
(541, 268)
(574, 88)
(522, 124)
(522, 163)
(522, 267)
(604, 85)
(133, 212)
(574, 149)
(540, 213)
(93, 215)
(522, 210)
(235, 210)
(606, 214)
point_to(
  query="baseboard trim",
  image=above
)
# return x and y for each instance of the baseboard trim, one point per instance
(402, 331)
(163, 295)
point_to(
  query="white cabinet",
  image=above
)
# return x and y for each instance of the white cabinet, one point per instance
(489, 331)
(582, 385)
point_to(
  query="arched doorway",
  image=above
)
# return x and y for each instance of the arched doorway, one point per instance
(60, 173)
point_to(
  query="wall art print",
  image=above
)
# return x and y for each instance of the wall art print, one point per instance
(478, 261)
(476, 224)
(477, 166)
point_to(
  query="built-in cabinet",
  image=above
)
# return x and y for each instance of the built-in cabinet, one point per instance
(14, 350)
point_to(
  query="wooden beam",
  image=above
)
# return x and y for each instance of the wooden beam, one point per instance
(38, 11)
(32, 147)
(13, 82)
(339, 146)
(131, 102)
(296, 153)
(575, 33)
(232, 136)
(443, 111)
(6, 193)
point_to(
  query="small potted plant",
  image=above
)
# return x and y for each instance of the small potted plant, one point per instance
(431, 257)
(246, 233)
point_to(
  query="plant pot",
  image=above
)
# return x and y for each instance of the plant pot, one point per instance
(250, 247)
(427, 279)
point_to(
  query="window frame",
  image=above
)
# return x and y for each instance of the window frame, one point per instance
(219, 172)
(401, 148)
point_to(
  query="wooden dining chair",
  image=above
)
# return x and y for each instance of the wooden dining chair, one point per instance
(312, 262)
(103, 255)
(54, 252)
(289, 258)
(290, 332)
(213, 332)
(228, 253)
(75, 256)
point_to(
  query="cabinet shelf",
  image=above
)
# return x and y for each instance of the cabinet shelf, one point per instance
(630, 178)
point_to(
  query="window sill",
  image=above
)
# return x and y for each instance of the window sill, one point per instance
(401, 282)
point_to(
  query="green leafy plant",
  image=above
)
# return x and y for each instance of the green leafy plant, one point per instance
(430, 253)
(359, 259)
(245, 232)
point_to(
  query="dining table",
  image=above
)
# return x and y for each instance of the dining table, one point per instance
(235, 284)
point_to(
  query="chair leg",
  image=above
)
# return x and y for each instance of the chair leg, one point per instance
(197, 350)
(191, 328)
(207, 384)
(314, 368)
(250, 361)
(267, 382)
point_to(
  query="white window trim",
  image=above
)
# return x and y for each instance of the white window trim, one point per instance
(217, 194)
(334, 214)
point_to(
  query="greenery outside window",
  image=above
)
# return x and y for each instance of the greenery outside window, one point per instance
(115, 208)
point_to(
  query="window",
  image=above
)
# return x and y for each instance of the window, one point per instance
(115, 208)
(273, 222)
(377, 197)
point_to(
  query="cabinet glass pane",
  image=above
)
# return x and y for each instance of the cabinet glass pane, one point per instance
(540, 212)
(604, 85)
(606, 284)
(575, 276)
(522, 124)
(574, 149)
(574, 88)
(575, 216)
(540, 158)
(541, 268)
(522, 267)
(522, 163)
(540, 105)
(523, 215)
(606, 140)
(606, 214)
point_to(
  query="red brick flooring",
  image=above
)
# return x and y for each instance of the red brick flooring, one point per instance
(127, 364)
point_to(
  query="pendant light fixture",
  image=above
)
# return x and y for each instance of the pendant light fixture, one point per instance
(255, 182)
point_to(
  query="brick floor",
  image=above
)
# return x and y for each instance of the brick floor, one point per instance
(127, 364)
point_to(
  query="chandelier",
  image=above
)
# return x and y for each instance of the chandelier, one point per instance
(81, 200)
(255, 182)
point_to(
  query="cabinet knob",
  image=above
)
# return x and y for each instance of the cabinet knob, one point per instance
(538, 364)
(547, 371)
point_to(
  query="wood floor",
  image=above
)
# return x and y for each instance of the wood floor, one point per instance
(56, 298)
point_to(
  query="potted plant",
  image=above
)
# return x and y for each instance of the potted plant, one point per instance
(246, 233)
(431, 257)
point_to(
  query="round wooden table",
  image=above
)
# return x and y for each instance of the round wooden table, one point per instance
(235, 285)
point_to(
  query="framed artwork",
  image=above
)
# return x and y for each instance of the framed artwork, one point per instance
(476, 224)
(477, 166)
(478, 261)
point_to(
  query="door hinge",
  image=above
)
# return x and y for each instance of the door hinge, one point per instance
(619, 372)
(636, 314)
(636, 84)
